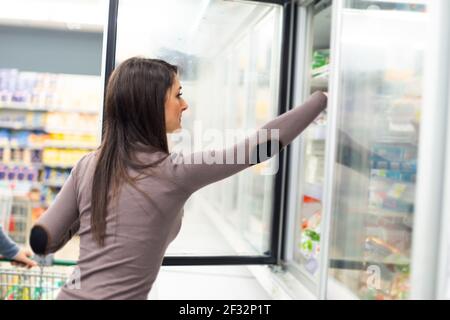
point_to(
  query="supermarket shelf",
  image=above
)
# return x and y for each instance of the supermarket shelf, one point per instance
(352, 264)
(313, 190)
(380, 212)
(53, 184)
(27, 147)
(85, 111)
(319, 78)
(70, 131)
(23, 164)
(20, 126)
(397, 140)
(58, 145)
(58, 165)
(69, 146)
(28, 107)
(21, 107)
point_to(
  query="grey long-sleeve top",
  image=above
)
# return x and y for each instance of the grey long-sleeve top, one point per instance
(141, 226)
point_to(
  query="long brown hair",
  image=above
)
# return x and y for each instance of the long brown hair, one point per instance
(134, 120)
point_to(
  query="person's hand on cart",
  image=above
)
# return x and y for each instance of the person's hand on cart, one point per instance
(22, 259)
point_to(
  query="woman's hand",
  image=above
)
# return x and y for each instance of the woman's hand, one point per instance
(22, 259)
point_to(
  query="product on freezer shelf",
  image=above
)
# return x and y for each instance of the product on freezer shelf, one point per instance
(392, 283)
(314, 159)
(380, 247)
(393, 152)
(320, 70)
(393, 169)
(404, 110)
(385, 5)
(315, 148)
(394, 175)
(314, 169)
(398, 197)
(309, 241)
(404, 166)
(321, 58)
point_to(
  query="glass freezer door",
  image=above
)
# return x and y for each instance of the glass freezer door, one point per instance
(378, 92)
(229, 57)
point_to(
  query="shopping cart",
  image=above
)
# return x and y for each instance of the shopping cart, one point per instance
(39, 283)
(6, 199)
(15, 215)
(20, 220)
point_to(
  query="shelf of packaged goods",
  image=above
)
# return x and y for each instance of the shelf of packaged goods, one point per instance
(53, 184)
(24, 108)
(407, 218)
(71, 131)
(83, 111)
(319, 78)
(363, 264)
(58, 165)
(20, 126)
(69, 146)
(50, 145)
(27, 107)
(27, 147)
(23, 164)
(323, 70)
(313, 190)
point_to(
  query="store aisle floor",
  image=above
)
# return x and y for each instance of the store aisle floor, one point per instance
(207, 283)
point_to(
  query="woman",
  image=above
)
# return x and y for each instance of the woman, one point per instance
(126, 199)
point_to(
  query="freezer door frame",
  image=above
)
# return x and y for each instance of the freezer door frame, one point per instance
(431, 280)
(429, 194)
(273, 256)
(306, 10)
(331, 146)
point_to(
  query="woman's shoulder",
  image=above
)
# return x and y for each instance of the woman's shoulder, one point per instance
(88, 157)
(84, 162)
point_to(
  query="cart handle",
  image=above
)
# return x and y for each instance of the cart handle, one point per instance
(54, 262)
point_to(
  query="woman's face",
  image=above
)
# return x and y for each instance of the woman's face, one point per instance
(175, 105)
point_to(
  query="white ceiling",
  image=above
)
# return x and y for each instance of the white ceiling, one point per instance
(83, 15)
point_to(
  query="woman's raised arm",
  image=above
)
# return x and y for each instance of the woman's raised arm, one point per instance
(199, 169)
